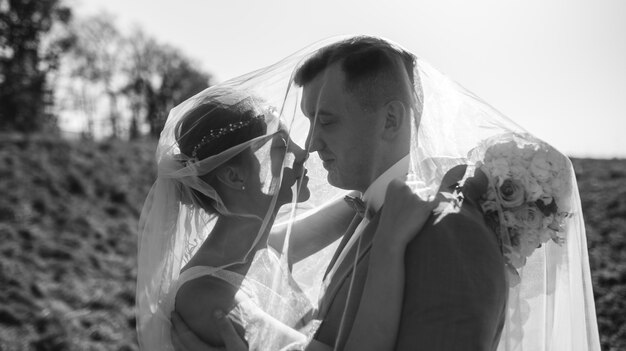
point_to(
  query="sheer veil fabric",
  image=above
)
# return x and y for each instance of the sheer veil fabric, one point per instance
(551, 309)
(174, 222)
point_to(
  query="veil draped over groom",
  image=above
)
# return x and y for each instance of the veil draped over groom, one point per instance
(550, 300)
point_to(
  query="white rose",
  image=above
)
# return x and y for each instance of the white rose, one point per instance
(519, 172)
(534, 191)
(509, 219)
(529, 216)
(547, 189)
(528, 152)
(511, 193)
(540, 168)
(499, 168)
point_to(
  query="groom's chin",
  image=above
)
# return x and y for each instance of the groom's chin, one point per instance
(335, 181)
(331, 178)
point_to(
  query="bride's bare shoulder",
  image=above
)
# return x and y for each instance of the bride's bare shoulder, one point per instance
(198, 299)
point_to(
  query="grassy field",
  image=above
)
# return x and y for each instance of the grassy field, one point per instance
(68, 215)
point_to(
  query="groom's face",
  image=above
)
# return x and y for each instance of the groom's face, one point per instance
(344, 135)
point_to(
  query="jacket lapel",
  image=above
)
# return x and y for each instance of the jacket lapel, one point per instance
(364, 244)
(344, 240)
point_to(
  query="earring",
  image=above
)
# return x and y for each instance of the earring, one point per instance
(243, 187)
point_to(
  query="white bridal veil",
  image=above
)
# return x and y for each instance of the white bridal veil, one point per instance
(177, 217)
(552, 306)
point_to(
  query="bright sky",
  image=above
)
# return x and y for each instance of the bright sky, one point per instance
(556, 67)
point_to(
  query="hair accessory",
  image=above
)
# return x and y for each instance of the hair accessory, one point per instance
(217, 133)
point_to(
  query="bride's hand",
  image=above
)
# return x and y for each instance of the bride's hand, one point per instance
(403, 215)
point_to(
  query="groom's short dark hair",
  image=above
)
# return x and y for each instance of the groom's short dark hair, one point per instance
(370, 66)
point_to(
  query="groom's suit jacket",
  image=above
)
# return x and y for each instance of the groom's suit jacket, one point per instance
(455, 291)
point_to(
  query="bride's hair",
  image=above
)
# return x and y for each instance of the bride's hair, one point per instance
(370, 66)
(214, 127)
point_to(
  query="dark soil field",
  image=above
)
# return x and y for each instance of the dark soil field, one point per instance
(68, 243)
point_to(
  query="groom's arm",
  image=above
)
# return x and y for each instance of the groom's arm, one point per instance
(455, 288)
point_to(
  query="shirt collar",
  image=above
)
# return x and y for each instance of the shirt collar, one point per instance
(374, 196)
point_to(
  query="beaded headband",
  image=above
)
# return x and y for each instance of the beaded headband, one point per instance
(217, 133)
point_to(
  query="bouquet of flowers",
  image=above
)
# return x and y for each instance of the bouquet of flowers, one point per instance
(529, 187)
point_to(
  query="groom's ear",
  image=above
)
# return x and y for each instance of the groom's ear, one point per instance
(396, 116)
(231, 176)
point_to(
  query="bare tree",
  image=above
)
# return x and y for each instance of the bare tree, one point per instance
(141, 78)
(27, 56)
(97, 58)
(160, 78)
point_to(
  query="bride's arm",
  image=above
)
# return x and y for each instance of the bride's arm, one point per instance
(198, 323)
(185, 339)
(378, 316)
(313, 232)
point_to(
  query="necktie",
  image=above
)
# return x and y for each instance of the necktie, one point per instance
(357, 204)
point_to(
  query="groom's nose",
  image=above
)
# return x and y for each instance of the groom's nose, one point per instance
(313, 142)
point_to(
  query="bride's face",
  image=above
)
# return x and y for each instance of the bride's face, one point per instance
(280, 158)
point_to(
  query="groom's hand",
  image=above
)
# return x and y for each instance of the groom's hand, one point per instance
(184, 339)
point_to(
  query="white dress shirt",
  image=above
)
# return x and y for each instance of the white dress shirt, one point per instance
(374, 197)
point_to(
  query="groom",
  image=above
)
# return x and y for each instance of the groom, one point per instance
(358, 95)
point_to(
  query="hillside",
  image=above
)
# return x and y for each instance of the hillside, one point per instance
(602, 185)
(68, 219)
(68, 216)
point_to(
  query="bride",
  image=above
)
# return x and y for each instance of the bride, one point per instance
(226, 166)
